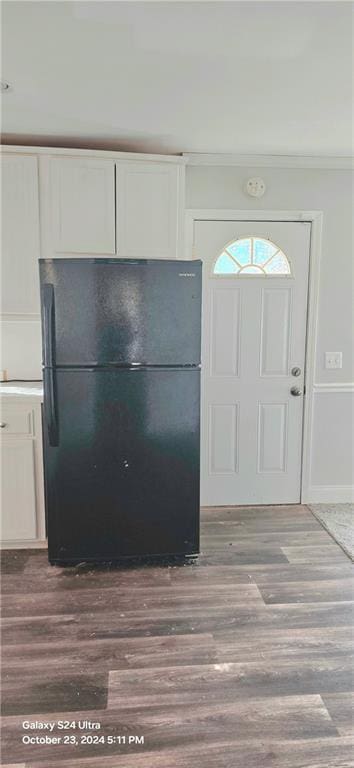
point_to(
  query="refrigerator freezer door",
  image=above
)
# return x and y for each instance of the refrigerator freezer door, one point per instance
(111, 311)
(123, 479)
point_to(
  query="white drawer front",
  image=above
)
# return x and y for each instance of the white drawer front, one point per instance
(16, 419)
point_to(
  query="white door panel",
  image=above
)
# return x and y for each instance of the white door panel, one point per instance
(254, 331)
(225, 331)
(275, 331)
(223, 438)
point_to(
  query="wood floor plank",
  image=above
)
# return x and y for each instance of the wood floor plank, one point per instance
(305, 643)
(309, 753)
(305, 591)
(269, 512)
(78, 627)
(318, 753)
(13, 765)
(282, 574)
(245, 541)
(341, 709)
(45, 578)
(261, 574)
(231, 555)
(164, 728)
(129, 573)
(108, 654)
(13, 560)
(314, 554)
(225, 681)
(53, 690)
(252, 525)
(133, 600)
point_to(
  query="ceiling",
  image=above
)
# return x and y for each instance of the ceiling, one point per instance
(223, 77)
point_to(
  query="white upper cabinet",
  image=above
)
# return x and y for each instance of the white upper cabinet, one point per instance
(78, 206)
(149, 209)
(58, 205)
(20, 235)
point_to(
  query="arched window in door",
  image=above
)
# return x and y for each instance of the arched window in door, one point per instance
(252, 256)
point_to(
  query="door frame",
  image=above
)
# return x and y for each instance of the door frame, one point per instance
(315, 218)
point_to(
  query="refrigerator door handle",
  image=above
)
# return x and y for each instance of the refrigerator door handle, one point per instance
(48, 324)
(50, 414)
(48, 362)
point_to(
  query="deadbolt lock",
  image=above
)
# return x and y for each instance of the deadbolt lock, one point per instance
(296, 371)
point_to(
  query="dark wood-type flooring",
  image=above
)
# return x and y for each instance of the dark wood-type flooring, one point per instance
(241, 660)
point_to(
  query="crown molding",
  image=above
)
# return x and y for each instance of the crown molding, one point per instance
(101, 153)
(271, 161)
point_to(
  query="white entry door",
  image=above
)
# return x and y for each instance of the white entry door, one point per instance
(255, 280)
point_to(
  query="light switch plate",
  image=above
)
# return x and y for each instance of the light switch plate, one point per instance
(333, 360)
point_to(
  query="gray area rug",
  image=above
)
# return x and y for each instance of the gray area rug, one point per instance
(338, 520)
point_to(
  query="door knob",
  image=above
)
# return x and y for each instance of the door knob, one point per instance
(296, 391)
(295, 371)
(2, 425)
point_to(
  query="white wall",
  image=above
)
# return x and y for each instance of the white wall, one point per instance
(330, 191)
(331, 475)
(21, 349)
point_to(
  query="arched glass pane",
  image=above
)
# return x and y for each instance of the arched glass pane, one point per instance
(278, 265)
(241, 251)
(252, 256)
(251, 269)
(225, 265)
(262, 250)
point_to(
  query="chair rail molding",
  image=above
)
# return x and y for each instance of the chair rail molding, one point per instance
(334, 387)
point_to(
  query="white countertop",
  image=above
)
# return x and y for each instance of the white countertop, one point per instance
(22, 389)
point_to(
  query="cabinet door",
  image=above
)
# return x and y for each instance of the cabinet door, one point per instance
(149, 210)
(20, 235)
(78, 206)
(18, 490)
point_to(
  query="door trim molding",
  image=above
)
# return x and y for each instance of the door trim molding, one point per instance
(315, 218)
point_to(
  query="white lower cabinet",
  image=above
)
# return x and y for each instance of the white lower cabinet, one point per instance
(22, 504)
(19, 496)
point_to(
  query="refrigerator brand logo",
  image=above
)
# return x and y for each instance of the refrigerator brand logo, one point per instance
(186, 274)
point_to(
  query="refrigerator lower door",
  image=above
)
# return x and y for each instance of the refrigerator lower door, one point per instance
(122, 478)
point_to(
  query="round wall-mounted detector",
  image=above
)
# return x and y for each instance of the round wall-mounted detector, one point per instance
(4, 86)
(256, 187)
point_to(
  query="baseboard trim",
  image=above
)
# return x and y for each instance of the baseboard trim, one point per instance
(23, 544)
(330, 494)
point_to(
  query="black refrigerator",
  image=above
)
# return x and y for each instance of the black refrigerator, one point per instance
(121, 373)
